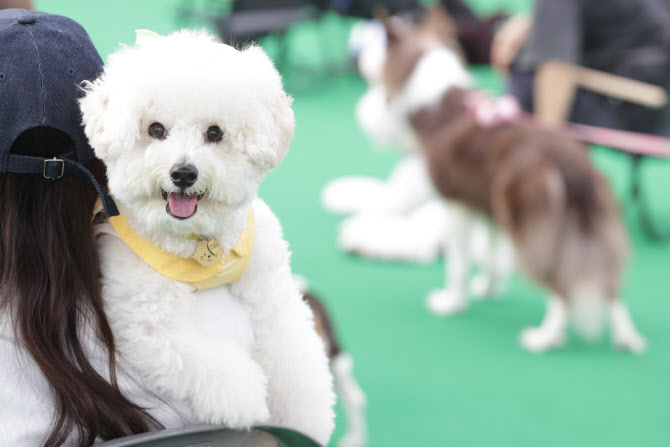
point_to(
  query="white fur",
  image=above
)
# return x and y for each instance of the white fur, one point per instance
(624, 333)
(383, 122)
(471, 240)
(395, 219)
(453, 298)
(353, 400)
(384, 125)
(415, 237)
(367, 42)
(438, 70)
(587, 309)
(551, 332)
(408, 186)
(240, 354)
(188, 82)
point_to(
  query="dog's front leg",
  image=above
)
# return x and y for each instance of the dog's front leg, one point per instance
(453, 298)
(495, 261)
(300, 390)
(221, 381)
(409, 186)
(286, 344)
(156, 333)
(300, 393)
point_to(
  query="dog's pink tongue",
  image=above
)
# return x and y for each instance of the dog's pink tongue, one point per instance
(182, 205)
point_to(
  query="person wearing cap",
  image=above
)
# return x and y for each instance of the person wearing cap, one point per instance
(61, 383)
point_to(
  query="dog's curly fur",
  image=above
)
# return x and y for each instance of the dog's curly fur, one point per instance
(243, 353)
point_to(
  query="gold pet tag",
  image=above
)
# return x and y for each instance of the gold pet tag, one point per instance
(208, 252)
(214, 247)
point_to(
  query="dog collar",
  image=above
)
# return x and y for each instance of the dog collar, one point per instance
(228, 270)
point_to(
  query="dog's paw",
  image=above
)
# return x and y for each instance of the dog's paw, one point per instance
(235, 396)
(485, 287)
(445, 302)
(630, 341)
(537, 339)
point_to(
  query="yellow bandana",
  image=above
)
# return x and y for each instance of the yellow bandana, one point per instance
(226, 271)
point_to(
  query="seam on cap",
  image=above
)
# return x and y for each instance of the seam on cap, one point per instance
(39, 69)
(5, 152)
(62, 33)
(9, 26)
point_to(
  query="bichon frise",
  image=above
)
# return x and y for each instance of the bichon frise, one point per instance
(188, 128)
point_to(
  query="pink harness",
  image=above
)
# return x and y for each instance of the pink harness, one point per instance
(488, 111)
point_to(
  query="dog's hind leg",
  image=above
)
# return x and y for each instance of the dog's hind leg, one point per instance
(551, 332)
(453, 298)
(624, 333)
(494, 261)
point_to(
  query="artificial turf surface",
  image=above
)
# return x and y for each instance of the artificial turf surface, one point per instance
(461, 381)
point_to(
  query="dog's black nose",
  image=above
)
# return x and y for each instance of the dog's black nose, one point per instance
(183, 175)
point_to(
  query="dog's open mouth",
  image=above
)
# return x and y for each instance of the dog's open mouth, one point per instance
(180, 205)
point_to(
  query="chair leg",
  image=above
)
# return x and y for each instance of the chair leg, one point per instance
(649, 228)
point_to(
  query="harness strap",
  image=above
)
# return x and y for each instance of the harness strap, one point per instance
(489, 111)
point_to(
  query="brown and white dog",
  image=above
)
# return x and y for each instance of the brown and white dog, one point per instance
(538, 187)
(352, 398)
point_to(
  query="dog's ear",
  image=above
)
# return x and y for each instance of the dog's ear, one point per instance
(267, 132)
(105, 128)
(439, 22)
(390, 26)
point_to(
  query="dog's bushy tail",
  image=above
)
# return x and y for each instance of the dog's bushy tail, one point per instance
(587, 308)
(530, 205)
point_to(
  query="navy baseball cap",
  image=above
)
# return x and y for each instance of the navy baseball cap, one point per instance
(44, 58)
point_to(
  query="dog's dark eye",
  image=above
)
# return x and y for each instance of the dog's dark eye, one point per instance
(157, 130)
(214, 134)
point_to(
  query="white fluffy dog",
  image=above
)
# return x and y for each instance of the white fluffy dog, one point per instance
(188, 128)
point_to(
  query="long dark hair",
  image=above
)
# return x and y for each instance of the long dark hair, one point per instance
(51, 289)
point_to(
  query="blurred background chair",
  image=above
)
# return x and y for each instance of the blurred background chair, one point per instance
(240, 22)
(250, 20)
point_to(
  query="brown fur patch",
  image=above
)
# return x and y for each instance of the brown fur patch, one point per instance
(540, 187)
(323, 325)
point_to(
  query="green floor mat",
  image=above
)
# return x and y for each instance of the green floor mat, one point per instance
(460, 381)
